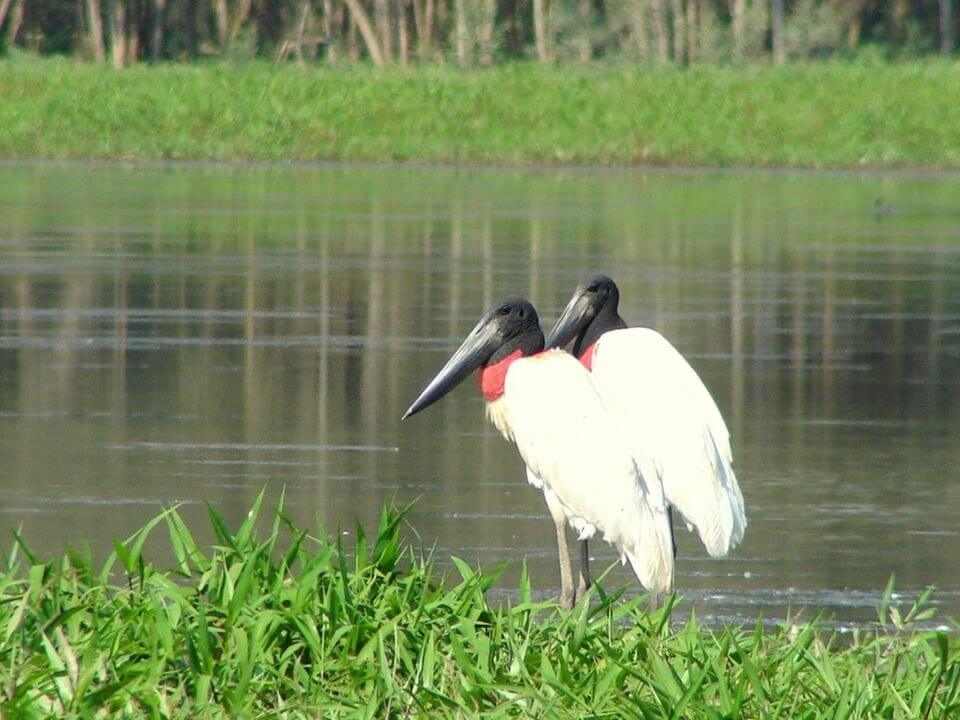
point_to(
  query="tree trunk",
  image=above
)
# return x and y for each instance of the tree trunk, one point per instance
(4, 9)
(222, 15)
(441, 29)
(898, 20)
(16, 22)
(679, 30)
(132, 45)
(541, 32)
(739, 16)
(429, 23)
(691, 31)
(421, 29)
(485, 34)
(660, 30)
(243, 12)
(638, 28)
(404, 38)
(330, 28)
(118, 33)
(417, 6)
(777, 14)
(423, 19)
(384, 29)
(353, 47)
(156, 30)
(301, 29)
(853, 33)
(366, 30)
(463, 52)
(946, 27)
(418, 25)
(190, 20)
(586, 43)
(704, 16)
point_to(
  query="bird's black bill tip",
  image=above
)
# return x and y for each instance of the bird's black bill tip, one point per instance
(471, 355)
(427, 398)
(421, 403)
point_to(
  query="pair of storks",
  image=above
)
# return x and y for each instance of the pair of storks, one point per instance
(615, 435)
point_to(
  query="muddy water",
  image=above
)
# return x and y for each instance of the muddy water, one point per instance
(195, 334)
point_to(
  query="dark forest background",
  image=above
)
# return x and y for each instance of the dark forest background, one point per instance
(477, 32)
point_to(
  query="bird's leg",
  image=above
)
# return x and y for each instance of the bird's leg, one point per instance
(673, 537)
(567, 594)
(584, 584)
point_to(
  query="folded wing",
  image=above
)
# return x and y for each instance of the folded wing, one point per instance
(673, 421)
(571, 442)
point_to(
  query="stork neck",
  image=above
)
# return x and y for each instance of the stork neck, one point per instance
(586, 359)
(493, 375)
(607, 319)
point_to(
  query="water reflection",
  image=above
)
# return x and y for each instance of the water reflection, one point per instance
(194, 334)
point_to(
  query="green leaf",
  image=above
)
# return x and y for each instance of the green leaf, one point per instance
(244, 534)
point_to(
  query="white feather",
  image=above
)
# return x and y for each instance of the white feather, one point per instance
(672, 420)
(572, 445)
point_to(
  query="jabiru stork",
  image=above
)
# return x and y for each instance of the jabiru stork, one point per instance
(547, 404)
(661, 402)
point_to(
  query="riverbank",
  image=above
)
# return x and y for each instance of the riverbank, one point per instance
(277, 623)
(825, 115)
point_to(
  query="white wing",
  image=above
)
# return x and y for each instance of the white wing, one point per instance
(672, 419)
(568, 440)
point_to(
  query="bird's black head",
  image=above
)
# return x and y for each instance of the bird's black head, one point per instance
(509, 326)
(516, 325)
(592, 311)
(601, 291)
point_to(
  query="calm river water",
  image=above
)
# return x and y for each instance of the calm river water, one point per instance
(193, 334)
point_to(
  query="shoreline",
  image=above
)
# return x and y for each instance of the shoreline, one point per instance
(918, 172)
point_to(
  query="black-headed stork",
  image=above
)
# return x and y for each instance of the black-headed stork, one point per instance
(546, 403)
(663, 406)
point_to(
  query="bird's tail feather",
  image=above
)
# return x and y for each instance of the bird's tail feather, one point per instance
(650, 551)
(732, 498)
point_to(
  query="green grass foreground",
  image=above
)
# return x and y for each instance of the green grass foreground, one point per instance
(817, 115)
(277, 623)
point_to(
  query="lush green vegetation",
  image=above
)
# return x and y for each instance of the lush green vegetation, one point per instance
(273, 622)
(810, 115)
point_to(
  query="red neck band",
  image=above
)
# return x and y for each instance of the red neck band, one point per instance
(492, 377)
(586, 357)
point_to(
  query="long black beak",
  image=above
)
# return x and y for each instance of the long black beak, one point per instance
(480, 344)
(573, 319)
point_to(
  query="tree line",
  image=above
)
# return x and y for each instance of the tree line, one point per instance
(476, 32)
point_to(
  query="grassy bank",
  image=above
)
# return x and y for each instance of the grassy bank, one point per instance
(805, 115)
(276, 623)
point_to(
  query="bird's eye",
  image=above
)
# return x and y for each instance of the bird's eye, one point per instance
(521, 312)
(593, 288)
(505, 310)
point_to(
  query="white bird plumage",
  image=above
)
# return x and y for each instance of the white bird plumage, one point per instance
(575, 451)
(657, 397)
(672, 418)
